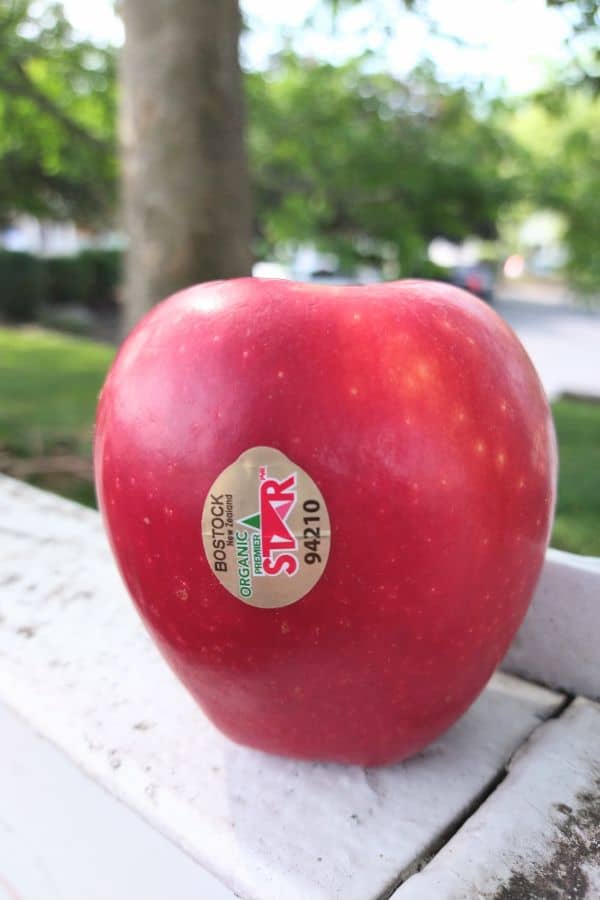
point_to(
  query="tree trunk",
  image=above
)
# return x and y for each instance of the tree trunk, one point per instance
(185, 176)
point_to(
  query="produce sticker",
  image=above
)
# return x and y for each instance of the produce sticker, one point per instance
(266, 529)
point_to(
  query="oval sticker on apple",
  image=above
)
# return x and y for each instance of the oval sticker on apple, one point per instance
(266, 529)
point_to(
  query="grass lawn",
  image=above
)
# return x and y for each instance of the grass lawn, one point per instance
(577, 523)
(48, 389)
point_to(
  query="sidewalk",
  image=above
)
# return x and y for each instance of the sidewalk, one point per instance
(562, 341)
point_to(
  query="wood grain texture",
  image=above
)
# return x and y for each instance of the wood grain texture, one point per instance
(537, 835)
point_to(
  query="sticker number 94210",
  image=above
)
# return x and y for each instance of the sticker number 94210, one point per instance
(311, 537)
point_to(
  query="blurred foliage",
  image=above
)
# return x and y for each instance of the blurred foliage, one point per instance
(584, 18)
(581, 16)
(560, 134)
(370, 166)
(91, 278)
(345, 157)
(57, 117)
(587, 12)
(67, 280)
(337, 5)
(32, 286)
(22, 284)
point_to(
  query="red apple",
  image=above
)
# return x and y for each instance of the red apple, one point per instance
(404, 419)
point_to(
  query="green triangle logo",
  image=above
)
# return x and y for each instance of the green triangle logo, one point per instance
(252, 521)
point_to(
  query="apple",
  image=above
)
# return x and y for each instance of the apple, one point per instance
(330, 505)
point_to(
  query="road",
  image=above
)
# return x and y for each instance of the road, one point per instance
(563, 342)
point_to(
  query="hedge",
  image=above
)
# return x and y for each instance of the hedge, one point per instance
(21, 286)
(90, 279)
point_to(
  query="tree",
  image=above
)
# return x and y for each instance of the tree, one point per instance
(370, 167)
(186, 186)
(584, 19)
(561, 139)
(57, 112)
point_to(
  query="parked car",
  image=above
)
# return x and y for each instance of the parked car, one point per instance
(478, 279)
(325, 276)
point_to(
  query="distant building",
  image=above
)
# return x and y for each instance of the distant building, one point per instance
(30, 235)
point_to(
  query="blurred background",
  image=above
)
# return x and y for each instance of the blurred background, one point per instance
(322, 140)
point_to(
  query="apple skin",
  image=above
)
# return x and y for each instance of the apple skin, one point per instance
(418, 414)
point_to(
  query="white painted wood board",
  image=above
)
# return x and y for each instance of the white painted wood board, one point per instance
(538, 834)
(62, 837)
(559, 641)
(76, 662)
